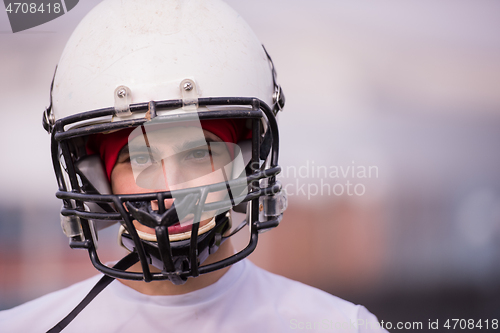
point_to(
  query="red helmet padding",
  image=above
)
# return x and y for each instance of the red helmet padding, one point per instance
(108, 146)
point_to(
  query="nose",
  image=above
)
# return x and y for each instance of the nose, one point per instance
(158, 179)
(156, 176)
(167, 203)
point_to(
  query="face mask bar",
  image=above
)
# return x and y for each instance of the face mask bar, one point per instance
(139, 205)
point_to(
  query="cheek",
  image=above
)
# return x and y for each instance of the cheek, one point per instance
(122, 180)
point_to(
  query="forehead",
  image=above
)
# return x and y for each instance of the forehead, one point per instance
(174, 137)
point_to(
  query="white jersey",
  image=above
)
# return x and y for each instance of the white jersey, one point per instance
(245, 299)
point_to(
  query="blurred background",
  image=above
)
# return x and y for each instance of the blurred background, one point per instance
(390, 154)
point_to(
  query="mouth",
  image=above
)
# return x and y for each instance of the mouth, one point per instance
(180, 227)
(177, 232)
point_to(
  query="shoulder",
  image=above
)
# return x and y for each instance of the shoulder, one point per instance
(304, 307)
(296, 294)
(47, 310)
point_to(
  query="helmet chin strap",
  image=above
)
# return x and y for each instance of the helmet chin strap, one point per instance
(123, 264)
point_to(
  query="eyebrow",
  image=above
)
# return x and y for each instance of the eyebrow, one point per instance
(186, 145)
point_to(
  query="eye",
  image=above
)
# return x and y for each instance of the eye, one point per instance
(198, 154)
(140, 159)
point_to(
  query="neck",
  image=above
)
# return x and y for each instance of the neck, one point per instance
(168, 288)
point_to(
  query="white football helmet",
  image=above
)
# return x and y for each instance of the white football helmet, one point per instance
(153, 75)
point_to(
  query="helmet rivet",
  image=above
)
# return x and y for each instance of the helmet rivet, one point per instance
(121, 93)
(188, 86)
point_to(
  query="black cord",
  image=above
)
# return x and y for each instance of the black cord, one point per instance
(123, 264)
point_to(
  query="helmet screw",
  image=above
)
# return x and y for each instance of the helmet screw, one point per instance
(121, 93)
(188, 86)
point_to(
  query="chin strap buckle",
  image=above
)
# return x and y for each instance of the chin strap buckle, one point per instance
(71, 226)
(271, 209)
(275, 205)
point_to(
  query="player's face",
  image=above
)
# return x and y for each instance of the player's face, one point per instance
(171, 159)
